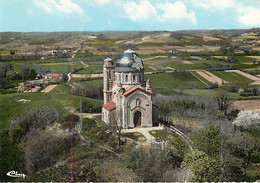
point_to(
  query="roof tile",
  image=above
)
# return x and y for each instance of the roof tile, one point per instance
(130, 90)
(109, 106)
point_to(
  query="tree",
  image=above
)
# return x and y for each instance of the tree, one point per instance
(243, 145)
(204, 168)
(4, 68)
(148, 163)
(208, 140)
(33, 74)
(10, 156)
(24, 72)
(10, 74)
(247, 118)
(41, 149)
(38, 118)
(115, 124)
(12, 52)
(223, 102)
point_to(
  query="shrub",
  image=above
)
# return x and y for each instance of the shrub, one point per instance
(213, 85)
(39, 118)
(90, 108)
(89, 91)
(233, 88)
(42, 148)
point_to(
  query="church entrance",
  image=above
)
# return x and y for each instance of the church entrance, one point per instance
(137, 118)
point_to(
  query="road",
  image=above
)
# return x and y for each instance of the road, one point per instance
(48, 88)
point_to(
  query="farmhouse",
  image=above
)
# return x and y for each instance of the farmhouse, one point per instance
(127, 97)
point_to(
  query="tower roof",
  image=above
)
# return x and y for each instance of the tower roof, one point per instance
(130, 61)
(108, 62)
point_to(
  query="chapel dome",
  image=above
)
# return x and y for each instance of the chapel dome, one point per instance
(130, 61)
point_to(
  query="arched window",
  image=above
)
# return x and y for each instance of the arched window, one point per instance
(133, 78)
(119, 77)
(126, 78)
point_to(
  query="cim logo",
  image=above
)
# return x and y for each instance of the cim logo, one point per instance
(15, 174)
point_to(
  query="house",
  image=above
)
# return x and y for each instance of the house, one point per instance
(51, 76)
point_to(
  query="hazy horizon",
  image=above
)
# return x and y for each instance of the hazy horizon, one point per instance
(131, 15)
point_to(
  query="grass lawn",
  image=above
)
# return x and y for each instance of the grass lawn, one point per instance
(175, 80)
(60, 68)
(91, 69)
(92, 82)
(58, 97)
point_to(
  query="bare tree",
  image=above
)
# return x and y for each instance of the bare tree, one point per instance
(223, 102)
(41, 149)
(115, 124)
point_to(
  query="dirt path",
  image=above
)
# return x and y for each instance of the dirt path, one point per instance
(48, 88)
(145, 131)
(88, 115)
(211, 77)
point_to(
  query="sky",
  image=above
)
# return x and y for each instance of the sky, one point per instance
(127, 15)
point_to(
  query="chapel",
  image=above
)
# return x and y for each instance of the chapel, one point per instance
(127, 96)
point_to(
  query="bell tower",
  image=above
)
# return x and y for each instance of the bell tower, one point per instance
(108, 74)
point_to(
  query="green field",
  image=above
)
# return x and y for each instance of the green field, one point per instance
(35, 61)
(201, 78)
(232, 77)
(243, 59)
(253, 72)
(175, 80)
(60, 68)
(209, 93)
(91, 69)
(58, 97)
(92, 82)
